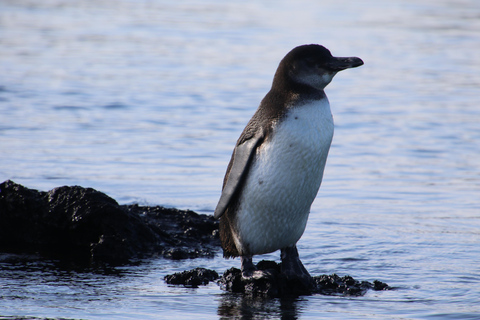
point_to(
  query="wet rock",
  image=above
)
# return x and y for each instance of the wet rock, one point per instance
(192, 278)
(275, 285)
(346, 285)
(87, 226)
(183, 234)
(272, 285)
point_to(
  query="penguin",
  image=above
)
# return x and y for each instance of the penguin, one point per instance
(277, 165)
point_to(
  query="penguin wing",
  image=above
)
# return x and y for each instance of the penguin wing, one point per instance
(241, 159)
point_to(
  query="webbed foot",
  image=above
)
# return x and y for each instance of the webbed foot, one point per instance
(249, 271)
(293, 269)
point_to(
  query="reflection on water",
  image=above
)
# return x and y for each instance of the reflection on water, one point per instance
(144, 100)
(239, 307)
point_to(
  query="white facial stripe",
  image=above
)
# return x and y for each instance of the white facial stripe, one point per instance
(318, 80)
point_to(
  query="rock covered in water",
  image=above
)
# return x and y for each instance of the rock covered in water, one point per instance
(87, 226)
(192, 278)
(346, 285)
(275, 285)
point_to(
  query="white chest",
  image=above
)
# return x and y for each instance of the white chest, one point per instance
(284, 179)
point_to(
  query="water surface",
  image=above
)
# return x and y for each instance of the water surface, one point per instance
(144, 100)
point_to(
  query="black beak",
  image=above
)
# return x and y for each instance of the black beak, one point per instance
(339, 64)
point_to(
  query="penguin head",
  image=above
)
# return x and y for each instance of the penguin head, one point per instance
(313, 65)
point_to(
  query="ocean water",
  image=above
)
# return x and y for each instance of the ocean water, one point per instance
(144, 101)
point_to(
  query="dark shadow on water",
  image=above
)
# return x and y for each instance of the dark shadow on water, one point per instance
(34, 268)
(238, 306)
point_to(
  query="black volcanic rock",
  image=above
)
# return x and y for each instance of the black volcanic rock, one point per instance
(275, 285)
(182, 234)
(192, 278)
(87, 226)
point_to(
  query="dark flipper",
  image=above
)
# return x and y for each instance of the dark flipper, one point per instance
(241, 158)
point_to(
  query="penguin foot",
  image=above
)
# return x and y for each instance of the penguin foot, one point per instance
(257, 274)
(293, 269)
(250, 271)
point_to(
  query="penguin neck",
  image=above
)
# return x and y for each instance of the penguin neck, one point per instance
(284, 95)
(287, 96)
(291, 91)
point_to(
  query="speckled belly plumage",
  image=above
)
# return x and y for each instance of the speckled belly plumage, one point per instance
(284, 179)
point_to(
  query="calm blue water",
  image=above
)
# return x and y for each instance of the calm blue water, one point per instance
(144, 100)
